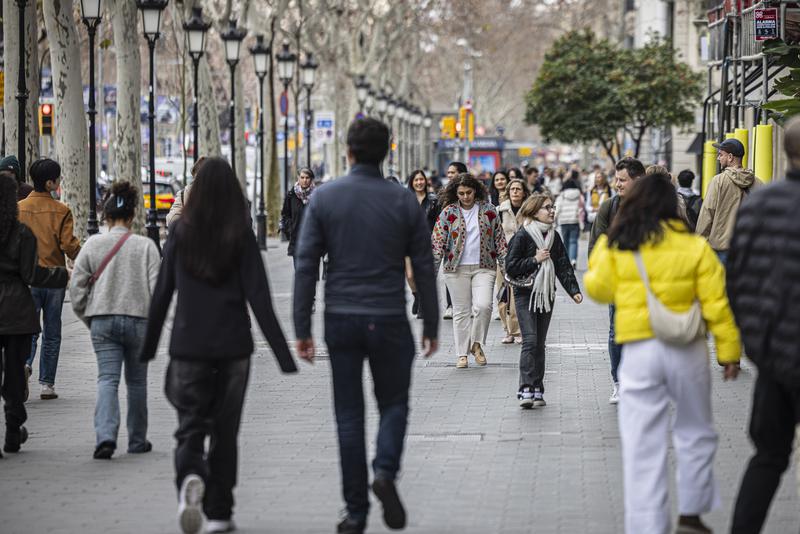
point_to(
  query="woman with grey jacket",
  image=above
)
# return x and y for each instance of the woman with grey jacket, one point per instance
(111, 287)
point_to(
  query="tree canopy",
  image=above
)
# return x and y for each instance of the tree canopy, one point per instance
(589, 90)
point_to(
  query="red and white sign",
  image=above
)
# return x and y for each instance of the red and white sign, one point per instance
(766, 24)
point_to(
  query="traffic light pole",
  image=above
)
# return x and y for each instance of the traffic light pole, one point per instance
(22, 93)
(91, 225)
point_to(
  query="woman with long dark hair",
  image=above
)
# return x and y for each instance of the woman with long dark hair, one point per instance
(213, 262)
(469, 239)
(453, 170)
(656, 272)
(19, 269)
(114, 278)
(418, 184)
(293, 205)
(537, 253)
(497, 187)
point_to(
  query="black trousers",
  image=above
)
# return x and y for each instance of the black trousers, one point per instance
(533, 326)
(14, 350)
(208, 396)
(776, 411)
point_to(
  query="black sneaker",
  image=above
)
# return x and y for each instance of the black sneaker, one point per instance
(15, 438)
(394, 515)
(351, 526)
(105, 450)
(538, 398)
(525, 396)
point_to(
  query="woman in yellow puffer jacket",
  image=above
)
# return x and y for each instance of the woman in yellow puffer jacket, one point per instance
(682, 269)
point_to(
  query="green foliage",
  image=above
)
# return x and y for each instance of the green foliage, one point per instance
(590, 89)
(787, 56)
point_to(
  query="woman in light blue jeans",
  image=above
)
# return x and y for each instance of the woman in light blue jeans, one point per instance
(111, 287)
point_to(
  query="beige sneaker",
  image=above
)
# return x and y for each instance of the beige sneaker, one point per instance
(462, 362)
(48, 392)
(477, 351)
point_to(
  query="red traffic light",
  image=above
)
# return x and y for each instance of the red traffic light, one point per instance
(47, 109)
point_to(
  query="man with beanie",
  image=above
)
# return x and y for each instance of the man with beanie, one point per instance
(763, 269)
(365, 311)
(723, 197)
(51, 223)
(11, 164)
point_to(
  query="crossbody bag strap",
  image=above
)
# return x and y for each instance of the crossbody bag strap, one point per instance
(637, 256)
(107, 259)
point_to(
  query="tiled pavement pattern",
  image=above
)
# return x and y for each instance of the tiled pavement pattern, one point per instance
(475, 463)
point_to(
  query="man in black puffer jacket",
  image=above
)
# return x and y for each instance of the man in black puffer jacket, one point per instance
(764, 291)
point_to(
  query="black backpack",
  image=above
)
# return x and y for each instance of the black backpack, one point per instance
(693, 205)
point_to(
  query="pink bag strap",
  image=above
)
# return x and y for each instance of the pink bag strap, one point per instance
(107, 259)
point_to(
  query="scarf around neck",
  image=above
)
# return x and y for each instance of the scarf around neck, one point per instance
(303, 194)
(544, 285)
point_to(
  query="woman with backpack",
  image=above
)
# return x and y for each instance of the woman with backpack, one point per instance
(660, 276)
(19, 270)
(111, 287)
(213, 262)
(536, 258)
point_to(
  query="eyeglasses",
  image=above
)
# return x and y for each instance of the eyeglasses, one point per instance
(548, 208)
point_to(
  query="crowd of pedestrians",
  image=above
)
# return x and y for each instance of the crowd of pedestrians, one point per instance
(674, 268)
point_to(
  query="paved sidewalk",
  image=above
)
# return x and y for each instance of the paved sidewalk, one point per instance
(475, 462)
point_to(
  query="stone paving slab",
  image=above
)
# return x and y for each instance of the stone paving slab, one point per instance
(475, 463)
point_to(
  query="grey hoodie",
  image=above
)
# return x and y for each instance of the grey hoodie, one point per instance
(718, 213)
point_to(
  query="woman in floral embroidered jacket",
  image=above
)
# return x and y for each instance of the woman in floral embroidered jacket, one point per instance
(469, 239)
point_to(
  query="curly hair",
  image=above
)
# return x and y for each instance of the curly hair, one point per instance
(8, 205)
(449, 195)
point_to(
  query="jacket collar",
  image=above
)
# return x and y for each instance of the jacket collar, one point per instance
(41, 194)
(365, 169)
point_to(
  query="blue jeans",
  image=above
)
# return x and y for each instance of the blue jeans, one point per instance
(387, 343)
(723, 257)
(570, 234)
(49, 301)
(117, 339)
(614, 350)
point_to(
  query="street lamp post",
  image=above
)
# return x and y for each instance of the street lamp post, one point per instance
(380, 104)
(362, 89)
(90, 13)
(308, 72)
(401, 136)
(233, 38)
(370, 103)
(22, 92)
(261, 52)
(427, 121)
(391, 109)
(196, 29)
(151, 23)
(286, 60)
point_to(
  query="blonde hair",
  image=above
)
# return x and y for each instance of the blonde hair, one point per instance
(531, 207)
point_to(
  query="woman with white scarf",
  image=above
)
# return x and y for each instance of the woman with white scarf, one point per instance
(536, 257)
(296, 200)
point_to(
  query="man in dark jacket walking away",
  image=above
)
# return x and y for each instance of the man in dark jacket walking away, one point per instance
(365, 314)
(627, 170)
(763, 273)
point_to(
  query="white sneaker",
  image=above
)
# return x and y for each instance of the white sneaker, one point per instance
(220, 525)
(448, 313)
(190, 504)
(614, 398)
(48, 392)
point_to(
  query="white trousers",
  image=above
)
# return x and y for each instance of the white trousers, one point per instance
(652, 375)
(470, 288)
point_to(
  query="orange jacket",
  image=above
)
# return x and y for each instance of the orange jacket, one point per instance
(51, 223)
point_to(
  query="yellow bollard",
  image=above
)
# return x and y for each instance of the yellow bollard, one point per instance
(709, 165)
(742, 135)
(730, 135)
(763, 153)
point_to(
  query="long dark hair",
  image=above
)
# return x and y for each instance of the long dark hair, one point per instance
(410, 181)
(213, 223)
(651, 201)
(494, 193)
(449, 195)
(8, 205)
